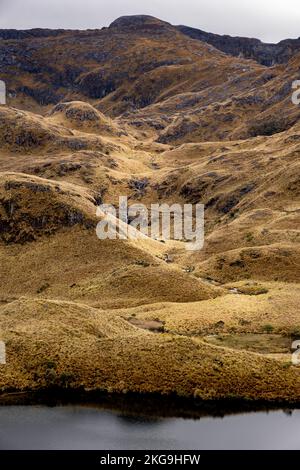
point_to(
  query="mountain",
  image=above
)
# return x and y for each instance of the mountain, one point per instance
(143, 110)
(154, 78)
(133, 63)
(248, 48)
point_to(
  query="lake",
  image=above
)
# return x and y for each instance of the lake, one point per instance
(91, 427)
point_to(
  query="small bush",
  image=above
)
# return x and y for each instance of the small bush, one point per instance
(295, 333)
(268, 328)
(269, 127)
(249, 236)
(43, 288)
(65, 379)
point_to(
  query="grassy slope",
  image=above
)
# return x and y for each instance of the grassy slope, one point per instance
(68, 300)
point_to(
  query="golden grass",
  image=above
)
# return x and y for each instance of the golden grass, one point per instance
(54, 343)
(76, 311)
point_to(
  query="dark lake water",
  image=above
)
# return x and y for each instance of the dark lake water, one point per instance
(89, 427)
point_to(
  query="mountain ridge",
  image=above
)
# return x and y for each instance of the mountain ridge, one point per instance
(267, 54)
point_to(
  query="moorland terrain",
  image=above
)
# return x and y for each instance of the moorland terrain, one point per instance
(161, 114)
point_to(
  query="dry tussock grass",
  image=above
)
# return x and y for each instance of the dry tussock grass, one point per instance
(63, 344)
(71, 306)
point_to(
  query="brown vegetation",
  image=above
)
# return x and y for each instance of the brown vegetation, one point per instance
(160, 117)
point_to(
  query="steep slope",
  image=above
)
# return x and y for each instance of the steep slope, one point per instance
(131, 64)
(240, 107)
(251, 194)
(41, 219)
(162, 83)
(248, 48)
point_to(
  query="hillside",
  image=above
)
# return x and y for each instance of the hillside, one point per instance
(248, 48)
(141, 109)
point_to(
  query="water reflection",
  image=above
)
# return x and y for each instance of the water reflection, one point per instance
(91, 427)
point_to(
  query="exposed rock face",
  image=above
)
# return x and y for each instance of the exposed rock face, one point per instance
(249, 48)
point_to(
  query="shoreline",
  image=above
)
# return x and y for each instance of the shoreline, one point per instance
(146, 404)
